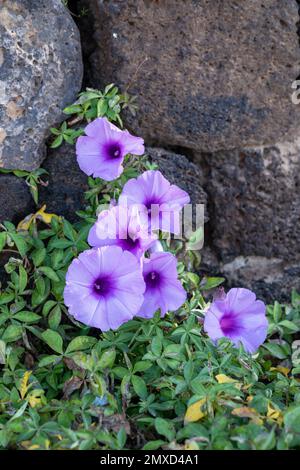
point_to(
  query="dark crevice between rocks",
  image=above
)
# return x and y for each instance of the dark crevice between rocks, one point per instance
(85, 21)
(298, 29)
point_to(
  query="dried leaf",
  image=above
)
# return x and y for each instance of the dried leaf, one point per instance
(74, 383)
(246, 412)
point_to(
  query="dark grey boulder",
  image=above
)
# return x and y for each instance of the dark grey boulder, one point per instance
(40, 73)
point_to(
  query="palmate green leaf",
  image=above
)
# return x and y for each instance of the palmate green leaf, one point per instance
(54, 340)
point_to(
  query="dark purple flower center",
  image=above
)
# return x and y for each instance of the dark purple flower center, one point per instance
(230, 325)
(152, 279)
(102, 286)
(113, 150)
(151, 202)
(129, 244)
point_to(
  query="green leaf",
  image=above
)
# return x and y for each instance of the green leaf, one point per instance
(165, 428)
(139, 387)
(211, 283)
(22, 279)
(6, 297)
(2, 351)
(277, 312)
(12, 333)
(107, 359)
(73, 109)
(54, 318)
(153, 445)
(2, 240)
(54, 340)
(38, 256)
(49, 272)
(81, 343)
(27, 317)
(20, 243)
(141, 366)
(276, 350)
(292, 420)
(289, 325)
(57, 142)
(156, 346)
(47, 360)
(121, 438)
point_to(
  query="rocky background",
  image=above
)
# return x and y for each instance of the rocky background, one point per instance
(213, 84)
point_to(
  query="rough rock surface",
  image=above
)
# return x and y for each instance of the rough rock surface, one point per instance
(64, 194)
(15, 199)
(270, 278)
(179, 170)
(255, 201)
(40, 73)
(209, 75)
(254, 211)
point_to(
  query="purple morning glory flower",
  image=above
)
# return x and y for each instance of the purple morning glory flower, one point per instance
(121, 226)
(163, 289)
(239, 317)
(102, 150)
(104, 287)
(160, 201)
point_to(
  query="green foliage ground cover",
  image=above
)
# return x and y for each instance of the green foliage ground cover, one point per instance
(157, 383)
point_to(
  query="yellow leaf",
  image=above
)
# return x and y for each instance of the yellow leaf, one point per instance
(195, 412)
(274, 414)
(224, 379)
(35, 397)
(284, 370)
(42, 215)
(33, 401)
(25, 223)
(247, 412)
(24, 383)
(191, 445)
(39, 215)
(34, 447)
(249, 398)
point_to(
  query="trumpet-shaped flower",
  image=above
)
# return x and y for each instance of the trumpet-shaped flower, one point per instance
(104, 287)
(163, 289)
(121, 226)
(239, 317)
(159, 201)
(102, 150)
